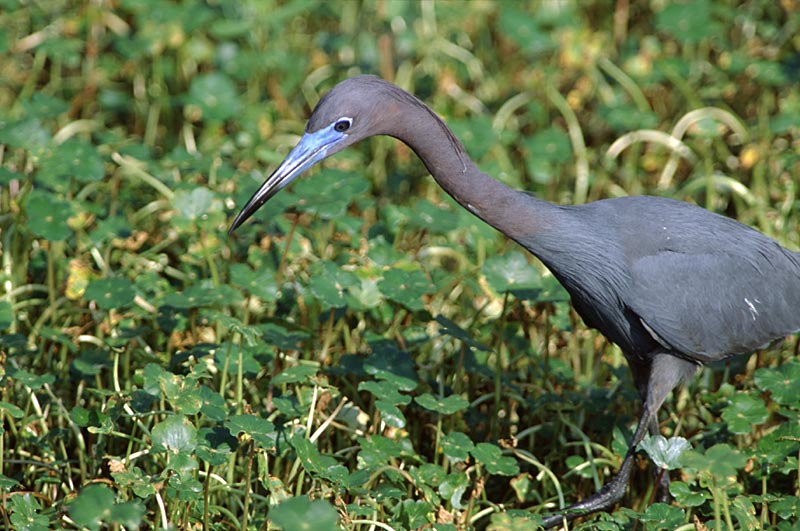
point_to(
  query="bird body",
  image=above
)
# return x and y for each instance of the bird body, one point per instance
(653, 273)
(672, 284)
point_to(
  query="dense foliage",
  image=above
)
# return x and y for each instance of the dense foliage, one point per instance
(365, 354)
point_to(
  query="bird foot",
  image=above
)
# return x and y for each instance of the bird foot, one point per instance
(606, 497)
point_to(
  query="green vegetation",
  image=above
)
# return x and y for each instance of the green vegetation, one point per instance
(366, 354)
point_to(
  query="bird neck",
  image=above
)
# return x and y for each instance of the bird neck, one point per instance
(448, 162)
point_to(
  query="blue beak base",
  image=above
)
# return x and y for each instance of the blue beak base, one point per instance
(312, 148)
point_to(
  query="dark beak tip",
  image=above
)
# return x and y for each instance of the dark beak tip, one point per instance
(240, 218)
(237, 222)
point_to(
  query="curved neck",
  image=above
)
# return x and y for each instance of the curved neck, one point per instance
(450, 165)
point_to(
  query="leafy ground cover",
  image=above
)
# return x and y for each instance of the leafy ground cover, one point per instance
(366, 355)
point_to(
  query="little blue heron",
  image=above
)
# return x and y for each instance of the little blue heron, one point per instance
(672, 284)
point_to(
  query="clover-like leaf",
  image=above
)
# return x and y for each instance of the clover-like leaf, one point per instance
(782, 382)
(665, 453)
(720, 461)
(689, 22)
(47, 216)
(25, 515)
(743, 412)
(329, 283)
(510, 271)
(332, 191)
(260, 282)
(685, 496)
(193, 204)
(31, 380)
(302, 514)
(215, 96)
(445, 406)
(377, 450)
(457, 446)
(550, 145)
(662, 516)
(176, 434)
(111, 293)
(298, 373)
(405, 287)
(492, 458)
(94, 508)
(259, 429)
(387, 390)
(74, 159)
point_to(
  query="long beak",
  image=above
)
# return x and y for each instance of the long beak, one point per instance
(312, 148)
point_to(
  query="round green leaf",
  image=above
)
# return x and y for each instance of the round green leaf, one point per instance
(216, 445)
(329, 282)
(445, 406)
(25, 513)
(92, 506)
(662, 516)
(387, 391)
(47, 215)
(201, 295)
(193, 204)
(491, 457)
(689, 22)
(665, 453)
(377, 450)
(74, 159)
(405, 287)
(782, 382)
(298, 373)
(111, 293)
(457, 446)
(330, 192)
(212, 404)
(184, 464)
(516, 521)
(510, 271)
(31, 380)
(744, 412)
(432, 218)
(387, 363)
(215, 96)
(391, 414)
(259, 429)
(260, 282)
(311, 459)
(27, 133)
(11, 410)
(720, 461)
(551, 145)
(686, 496)
(516, 24)
(302, 514)
(176, 434)
(44, 105)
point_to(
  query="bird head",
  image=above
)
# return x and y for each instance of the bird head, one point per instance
(342, 117)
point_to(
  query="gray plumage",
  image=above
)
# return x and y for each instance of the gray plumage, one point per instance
(672, 284)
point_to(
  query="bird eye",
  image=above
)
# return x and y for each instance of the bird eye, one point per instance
(342, 125)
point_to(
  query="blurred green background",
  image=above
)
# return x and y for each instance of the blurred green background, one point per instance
(365, 354)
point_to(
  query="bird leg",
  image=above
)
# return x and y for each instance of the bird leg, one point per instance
(660, 477)
(612, 491)
(666, 372)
